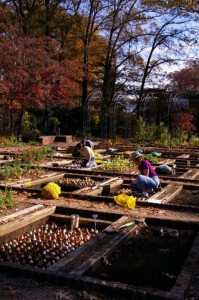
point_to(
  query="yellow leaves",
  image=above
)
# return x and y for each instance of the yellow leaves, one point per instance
(97, 154)
(172, 3)
(99, 161)
(16, 105)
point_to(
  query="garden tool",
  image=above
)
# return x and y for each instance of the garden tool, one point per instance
(114, 229)
(103, 183)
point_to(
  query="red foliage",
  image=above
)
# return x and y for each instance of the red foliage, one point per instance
(31, 75)
(183, 121)
(186, 80)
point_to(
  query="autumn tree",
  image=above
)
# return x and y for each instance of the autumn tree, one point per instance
(186, 80)
(31, 76)
(185, 4)
(35, 17)
(91, 22)
(168, 35)
(113, 45)
(123, 31)
(183, 121)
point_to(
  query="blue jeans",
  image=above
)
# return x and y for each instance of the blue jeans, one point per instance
(145, 182)
(85, 161)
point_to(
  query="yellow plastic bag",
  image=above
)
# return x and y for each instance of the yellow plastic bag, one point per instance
(51, 190)
(125, 200)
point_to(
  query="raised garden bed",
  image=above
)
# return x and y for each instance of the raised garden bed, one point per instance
(188, 197)
(148, 260)
(87, 267)
(152, 264)
(72, 183)
(32, 178)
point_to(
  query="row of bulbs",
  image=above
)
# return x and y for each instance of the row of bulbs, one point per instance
(78, 182)
(45, 246)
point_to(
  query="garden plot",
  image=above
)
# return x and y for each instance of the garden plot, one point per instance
(150, 260)
(55, 162)
(186, 161)
(112, 167)
(166, 161)
(161, 196)
(168, 194)
(189, 195)
(45, 245)
(32, 177)
(191, 174)
(47, 161)
(126, 169)
(5, 159)
(21, 220)
(70, 165)
(104, 237)
(181, 174)
(104, 257)
(71, 183)
(37, 237)
(85, 184)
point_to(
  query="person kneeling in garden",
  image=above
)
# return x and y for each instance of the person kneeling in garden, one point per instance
(87, 155)
(164, 170)
(148, 179)
(88, 143)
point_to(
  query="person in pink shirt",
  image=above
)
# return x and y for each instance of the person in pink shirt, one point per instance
(148, 179)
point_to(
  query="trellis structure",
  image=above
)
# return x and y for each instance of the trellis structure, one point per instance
(95, 97)
(119, 100)
(147, 106)
(172, 105)
(173, 108)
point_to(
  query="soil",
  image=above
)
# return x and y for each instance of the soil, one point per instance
(187, 197)
(146, 255)
(33, 174)
(13, 209)
(162, 251)
(27, 289)
(148, 259)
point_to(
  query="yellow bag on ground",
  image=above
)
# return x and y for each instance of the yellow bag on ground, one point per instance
(51, 190)
(125, 200)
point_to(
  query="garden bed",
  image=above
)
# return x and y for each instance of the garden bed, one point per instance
(148, 259)
(187, 197)
(155, 247)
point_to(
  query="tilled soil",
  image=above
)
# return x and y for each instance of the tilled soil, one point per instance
(187, 197)
(27, 289)
(21, 288)
(148, 259)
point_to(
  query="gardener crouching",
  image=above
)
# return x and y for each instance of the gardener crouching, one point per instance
(86, 155)
(148, 179)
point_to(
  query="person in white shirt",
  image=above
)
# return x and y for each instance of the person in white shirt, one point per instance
(88, 143)
(87, 155)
